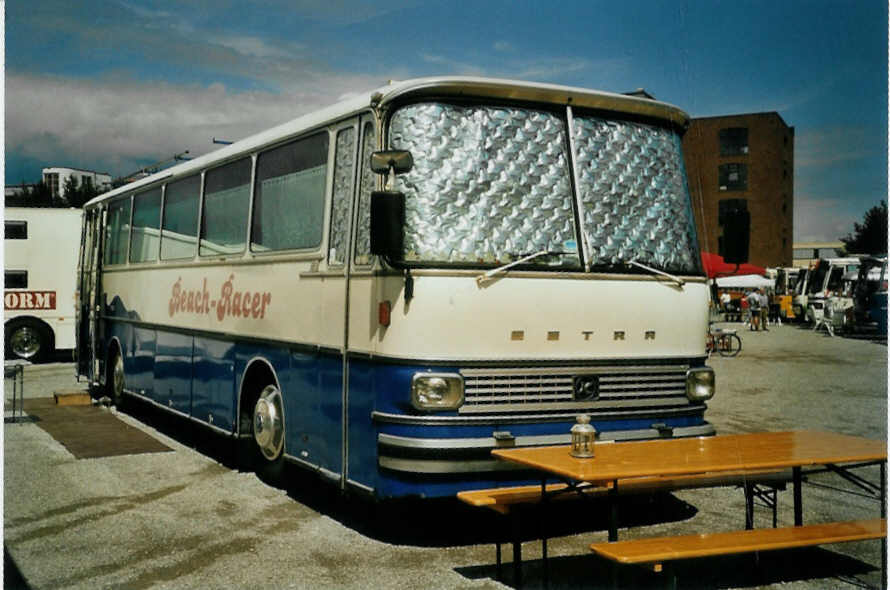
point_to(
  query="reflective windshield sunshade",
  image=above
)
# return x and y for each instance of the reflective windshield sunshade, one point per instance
(489, 184)
(633, 193)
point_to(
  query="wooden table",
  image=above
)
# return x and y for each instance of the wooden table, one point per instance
(819, 451)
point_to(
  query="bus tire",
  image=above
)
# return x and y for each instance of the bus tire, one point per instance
(267, 428)
(116, 379)
(28, 339)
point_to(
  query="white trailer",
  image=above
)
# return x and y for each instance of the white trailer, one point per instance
(40, 263)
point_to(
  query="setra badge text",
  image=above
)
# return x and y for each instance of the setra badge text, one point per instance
(231, 302)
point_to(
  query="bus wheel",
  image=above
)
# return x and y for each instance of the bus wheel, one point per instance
(27, 339)
(268, 432)
(116, 380)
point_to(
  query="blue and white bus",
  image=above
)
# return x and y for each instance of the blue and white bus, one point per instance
(387, 289)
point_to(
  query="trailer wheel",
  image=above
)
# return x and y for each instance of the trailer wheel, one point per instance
(28, 339)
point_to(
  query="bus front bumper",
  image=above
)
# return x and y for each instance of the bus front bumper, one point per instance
(473, 455)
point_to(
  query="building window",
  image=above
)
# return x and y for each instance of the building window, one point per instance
(724, 206)
(733, 177)
(86, 181)
(15, 230)
(16, 279)
(51, 180)
(733, 141)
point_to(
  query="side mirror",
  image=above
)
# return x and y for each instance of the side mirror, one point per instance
(395, 161)
(387, 206)
(736, 235)
(387, 224)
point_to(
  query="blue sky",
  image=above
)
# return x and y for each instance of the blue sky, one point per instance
(112, 85)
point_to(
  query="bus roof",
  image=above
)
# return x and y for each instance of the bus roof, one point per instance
(439, 87)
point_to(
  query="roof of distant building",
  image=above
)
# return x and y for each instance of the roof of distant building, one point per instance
(744, 116)
(640, 93)
(69, 168)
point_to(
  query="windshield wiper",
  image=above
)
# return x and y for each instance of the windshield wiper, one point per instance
(676, 279)
(488, 275)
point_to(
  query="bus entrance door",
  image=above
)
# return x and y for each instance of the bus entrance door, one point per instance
(88, 289)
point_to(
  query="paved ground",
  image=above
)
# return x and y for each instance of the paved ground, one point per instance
(186, 519)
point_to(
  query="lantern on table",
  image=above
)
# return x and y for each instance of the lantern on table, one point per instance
(583, 435)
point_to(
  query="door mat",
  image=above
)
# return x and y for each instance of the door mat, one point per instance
(90, 432)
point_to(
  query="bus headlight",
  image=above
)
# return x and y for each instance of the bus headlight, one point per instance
(700, 384)
(437, 391)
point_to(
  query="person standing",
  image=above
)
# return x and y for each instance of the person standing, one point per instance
(754, 305)
(764, 309)
(725, 299)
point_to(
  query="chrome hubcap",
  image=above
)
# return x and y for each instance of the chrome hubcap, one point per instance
(118, 377)
(268, 423)
(25, 342)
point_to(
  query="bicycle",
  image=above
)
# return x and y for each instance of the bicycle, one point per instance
(726, 342)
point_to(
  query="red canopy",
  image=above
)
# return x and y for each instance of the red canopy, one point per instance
(715, 267)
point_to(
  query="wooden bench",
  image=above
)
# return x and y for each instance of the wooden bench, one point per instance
(502, 499)
(655, 552)
(760, 484)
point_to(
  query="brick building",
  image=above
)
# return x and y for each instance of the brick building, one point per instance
(745, 160)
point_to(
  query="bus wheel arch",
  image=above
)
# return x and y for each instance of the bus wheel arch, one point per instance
(28, 338)
(261, 419)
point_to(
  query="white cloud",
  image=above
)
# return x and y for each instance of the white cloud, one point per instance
(831, 145)
(452, 65)
(346, 12)
(256, 47)
(116, 125)
(143, 12)
(551, 69)
(546, 69)
(822, 219)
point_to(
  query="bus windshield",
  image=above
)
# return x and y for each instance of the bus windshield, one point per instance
(817, 281)
(493, 184)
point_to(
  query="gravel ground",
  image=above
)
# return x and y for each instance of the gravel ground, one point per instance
(185, 519)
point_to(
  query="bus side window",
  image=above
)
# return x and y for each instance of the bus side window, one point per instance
(288, 206)
(368, 180)
(180, 223)
(344, 161)
(226, 202)
(146, 231)
(117, 231)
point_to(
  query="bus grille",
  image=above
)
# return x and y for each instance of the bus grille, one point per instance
(552, 389)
